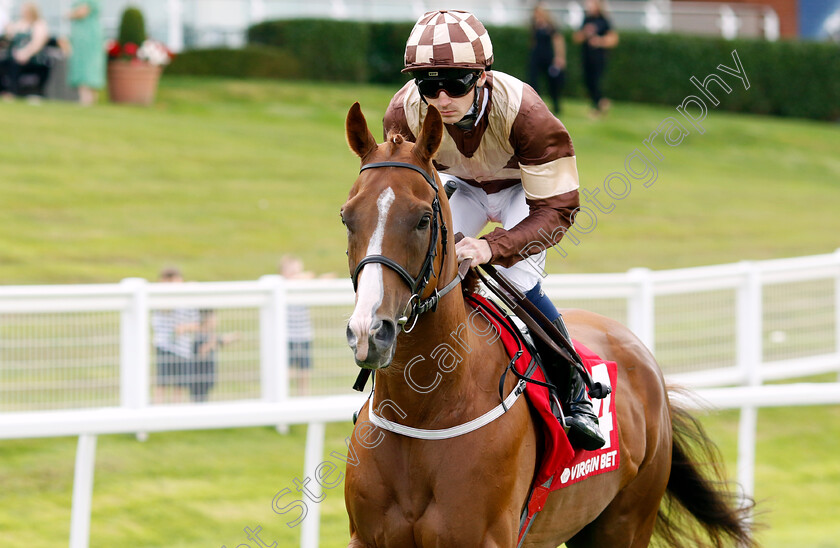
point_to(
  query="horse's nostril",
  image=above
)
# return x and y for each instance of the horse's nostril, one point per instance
(384, 333)
(351, 337)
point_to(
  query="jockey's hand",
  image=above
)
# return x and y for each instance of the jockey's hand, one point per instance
(476, 249)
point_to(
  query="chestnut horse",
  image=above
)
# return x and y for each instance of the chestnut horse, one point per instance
(468, 491)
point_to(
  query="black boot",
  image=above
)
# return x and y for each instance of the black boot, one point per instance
(582, 423)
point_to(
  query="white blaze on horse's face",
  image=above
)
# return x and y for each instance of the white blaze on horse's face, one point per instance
(364, 326)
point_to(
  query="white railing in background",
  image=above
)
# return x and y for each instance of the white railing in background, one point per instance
(206, 23)
(737, 324)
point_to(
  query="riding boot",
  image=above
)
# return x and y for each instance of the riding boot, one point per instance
(582, 423)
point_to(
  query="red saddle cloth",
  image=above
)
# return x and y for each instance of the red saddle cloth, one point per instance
(562, 465)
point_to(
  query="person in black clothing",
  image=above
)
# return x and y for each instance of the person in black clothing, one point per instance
(202, 378)
(548, 55)
(597, 36)
(27, 38)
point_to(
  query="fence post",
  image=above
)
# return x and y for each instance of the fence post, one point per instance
(315, 434)
(640, 306)
(771, 25)
(274, 345)
(837, 309)
(750, 356)
(498, 14)
(82, 491)
(175, 24)
(338, 9)
(256, 11)
(134, 346)
(655, 21)
(748, 327)
(576, 15)
(729, 22)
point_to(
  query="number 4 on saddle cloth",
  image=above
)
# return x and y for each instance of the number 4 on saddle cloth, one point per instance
(560, 464)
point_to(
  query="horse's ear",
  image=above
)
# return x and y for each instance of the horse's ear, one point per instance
(430, 136)
(359, 137)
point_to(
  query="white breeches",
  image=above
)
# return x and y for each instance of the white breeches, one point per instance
(472, 209)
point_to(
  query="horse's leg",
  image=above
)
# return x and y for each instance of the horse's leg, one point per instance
(629, 520)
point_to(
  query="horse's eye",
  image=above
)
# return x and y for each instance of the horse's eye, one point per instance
(424, 222)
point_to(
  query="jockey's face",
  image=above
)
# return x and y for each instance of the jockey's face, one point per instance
(452, 109)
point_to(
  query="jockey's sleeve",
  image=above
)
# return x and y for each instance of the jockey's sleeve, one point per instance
(549, 174)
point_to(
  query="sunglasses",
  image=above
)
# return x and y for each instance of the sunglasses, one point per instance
(431, 86)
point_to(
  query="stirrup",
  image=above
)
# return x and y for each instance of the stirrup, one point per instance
(558, 411)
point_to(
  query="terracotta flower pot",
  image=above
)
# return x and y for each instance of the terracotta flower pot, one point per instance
(132, 82)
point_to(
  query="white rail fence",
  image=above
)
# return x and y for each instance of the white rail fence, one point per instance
(78, 360)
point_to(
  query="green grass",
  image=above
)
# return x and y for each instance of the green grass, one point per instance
(221, 177)
(175, 490)
(200, 489)
(797, 473)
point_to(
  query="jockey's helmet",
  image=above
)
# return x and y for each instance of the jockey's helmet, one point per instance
(448, 39)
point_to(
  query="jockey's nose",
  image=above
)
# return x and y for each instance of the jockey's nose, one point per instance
(382, 334)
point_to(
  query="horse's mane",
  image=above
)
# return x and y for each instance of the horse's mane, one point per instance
(470, 282)
(395, 139)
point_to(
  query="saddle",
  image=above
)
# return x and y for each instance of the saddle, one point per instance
(539, 327)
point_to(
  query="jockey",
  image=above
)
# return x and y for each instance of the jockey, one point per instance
(508, 159)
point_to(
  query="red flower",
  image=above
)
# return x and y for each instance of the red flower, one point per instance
(130, 49)
(114, 50)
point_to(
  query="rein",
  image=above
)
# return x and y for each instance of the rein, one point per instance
(416, 305)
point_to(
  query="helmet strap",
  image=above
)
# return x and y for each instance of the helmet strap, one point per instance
(468, 121)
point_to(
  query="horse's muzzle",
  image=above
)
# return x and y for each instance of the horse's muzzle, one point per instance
(374, 351)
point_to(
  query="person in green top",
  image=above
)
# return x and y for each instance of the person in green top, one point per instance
(87, 61)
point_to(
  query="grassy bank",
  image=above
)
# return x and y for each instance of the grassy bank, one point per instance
(221, 177)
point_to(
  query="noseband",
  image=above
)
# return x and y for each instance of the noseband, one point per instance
(416, 304)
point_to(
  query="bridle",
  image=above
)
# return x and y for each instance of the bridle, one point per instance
(416, 305)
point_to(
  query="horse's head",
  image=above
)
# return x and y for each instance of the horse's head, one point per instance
(396, 235)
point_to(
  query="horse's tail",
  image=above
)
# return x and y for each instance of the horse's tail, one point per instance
(697, 488)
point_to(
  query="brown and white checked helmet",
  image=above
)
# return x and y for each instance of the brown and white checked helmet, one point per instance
(448, 39)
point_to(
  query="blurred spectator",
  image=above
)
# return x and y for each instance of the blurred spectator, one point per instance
(87, 61)
(548, 55)
(202, 374)
(27, 38)
(299, 326)
(173, 335)
(597, 36)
